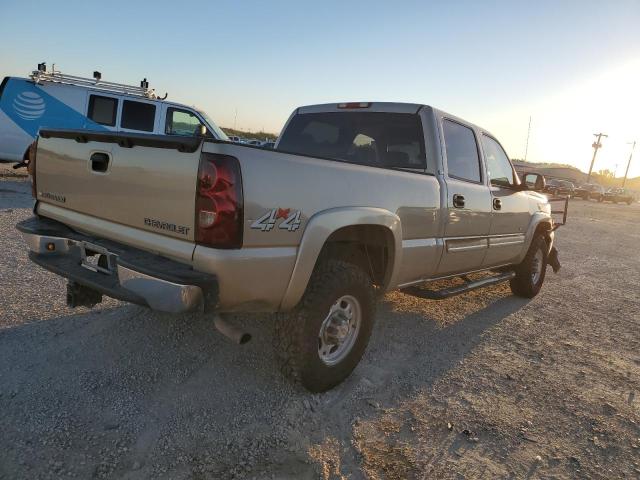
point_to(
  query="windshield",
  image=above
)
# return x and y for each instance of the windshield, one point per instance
(391, 140)
(211, 125)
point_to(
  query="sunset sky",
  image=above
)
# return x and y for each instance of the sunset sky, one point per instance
(573, 66)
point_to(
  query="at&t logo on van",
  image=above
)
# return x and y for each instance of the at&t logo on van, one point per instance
(29, 106)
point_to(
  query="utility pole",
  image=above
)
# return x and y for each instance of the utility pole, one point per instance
(596, 145)
(633, 147)
(526, 148)
(235, 119)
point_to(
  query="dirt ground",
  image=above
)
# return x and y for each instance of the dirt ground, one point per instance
(484, 385)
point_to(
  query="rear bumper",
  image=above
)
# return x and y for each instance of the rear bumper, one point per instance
(133, 275)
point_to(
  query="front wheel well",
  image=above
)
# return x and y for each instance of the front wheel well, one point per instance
(370, 247)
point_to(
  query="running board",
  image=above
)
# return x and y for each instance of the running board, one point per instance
(458, 289)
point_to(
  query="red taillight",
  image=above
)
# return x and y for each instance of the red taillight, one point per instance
(31, 167)
(219, 202)
(354, 105)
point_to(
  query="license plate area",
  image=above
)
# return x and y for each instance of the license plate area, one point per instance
(96, 258)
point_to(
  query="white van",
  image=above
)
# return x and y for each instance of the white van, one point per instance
(50, 99)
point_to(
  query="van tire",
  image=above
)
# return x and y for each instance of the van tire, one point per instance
(297, 336)
(531, 272)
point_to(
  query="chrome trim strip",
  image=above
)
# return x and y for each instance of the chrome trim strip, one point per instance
(419, 242)
(465, 248)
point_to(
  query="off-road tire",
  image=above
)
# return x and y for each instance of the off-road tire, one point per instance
(295, 338)
(522, 284)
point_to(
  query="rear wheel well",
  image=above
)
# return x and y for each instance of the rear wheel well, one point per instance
(370, 247)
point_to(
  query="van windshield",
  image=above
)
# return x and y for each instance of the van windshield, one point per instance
(391, 140)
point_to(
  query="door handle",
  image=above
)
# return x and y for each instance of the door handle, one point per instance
(99, 161)
(497, 203)
(458, 200)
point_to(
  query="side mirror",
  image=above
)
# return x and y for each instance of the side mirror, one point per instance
(202, 131)
(535, 181)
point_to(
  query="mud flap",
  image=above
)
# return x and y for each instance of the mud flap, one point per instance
(553, 260)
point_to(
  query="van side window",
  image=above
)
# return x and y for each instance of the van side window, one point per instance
(103, 110)
(499, 167)
(138, 116)
(181, 122)
(463, 161)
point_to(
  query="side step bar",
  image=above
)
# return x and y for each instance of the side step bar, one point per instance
(458, 289)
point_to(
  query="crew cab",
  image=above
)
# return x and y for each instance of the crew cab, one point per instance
(356, 199)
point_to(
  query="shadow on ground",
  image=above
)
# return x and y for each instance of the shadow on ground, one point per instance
(126, 392)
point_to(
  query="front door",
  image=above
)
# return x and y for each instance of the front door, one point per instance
(510, 207)
(468, 211)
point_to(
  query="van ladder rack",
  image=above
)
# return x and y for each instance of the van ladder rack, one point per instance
(39, 76)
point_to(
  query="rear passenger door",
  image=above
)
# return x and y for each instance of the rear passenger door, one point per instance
(468, 208)
(510, 217)
(139, 116)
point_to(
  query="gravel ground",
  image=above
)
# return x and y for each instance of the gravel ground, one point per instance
(484, 385)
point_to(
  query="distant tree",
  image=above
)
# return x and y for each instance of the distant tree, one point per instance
(606, 173)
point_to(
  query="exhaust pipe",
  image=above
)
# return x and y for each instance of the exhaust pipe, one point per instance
(233, 333)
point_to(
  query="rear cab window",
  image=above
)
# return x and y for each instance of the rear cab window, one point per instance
(379, 139)
(463, 159)
(103, 110)
(139, 116)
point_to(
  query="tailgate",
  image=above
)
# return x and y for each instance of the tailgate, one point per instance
(142, 181)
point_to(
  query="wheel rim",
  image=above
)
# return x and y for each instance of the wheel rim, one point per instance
(339, 330)
(536, 267)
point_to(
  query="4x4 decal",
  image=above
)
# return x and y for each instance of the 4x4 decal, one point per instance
(268, 221)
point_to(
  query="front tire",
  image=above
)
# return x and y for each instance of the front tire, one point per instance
(321, 341)
(531, 272)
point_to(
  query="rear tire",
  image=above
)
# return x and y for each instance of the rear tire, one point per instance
(321, 341)
(531, 272)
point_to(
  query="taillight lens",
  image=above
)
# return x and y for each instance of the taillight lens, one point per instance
(31, 167)
(219, 202)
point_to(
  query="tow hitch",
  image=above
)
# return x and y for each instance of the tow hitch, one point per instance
(81, 296)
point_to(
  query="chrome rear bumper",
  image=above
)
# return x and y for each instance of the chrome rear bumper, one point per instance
(127, 274)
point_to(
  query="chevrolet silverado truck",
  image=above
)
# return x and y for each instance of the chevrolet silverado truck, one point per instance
(356, 199)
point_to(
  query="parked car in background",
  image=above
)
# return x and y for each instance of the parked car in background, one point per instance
(234, 138)
(268, 144)
(51, 99)
(590, 191)
(618, 195)
(560, 187)
(255, 143)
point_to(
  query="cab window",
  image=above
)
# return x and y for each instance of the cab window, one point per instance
(499, 167)
(138, 116)
(182, 122)
(463, 161)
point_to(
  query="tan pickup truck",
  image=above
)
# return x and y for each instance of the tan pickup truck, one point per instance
(355, 200)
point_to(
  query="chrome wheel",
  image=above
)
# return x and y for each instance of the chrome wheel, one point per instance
(339, 330)
(537, 266)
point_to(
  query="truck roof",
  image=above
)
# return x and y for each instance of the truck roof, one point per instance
(386, 107)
